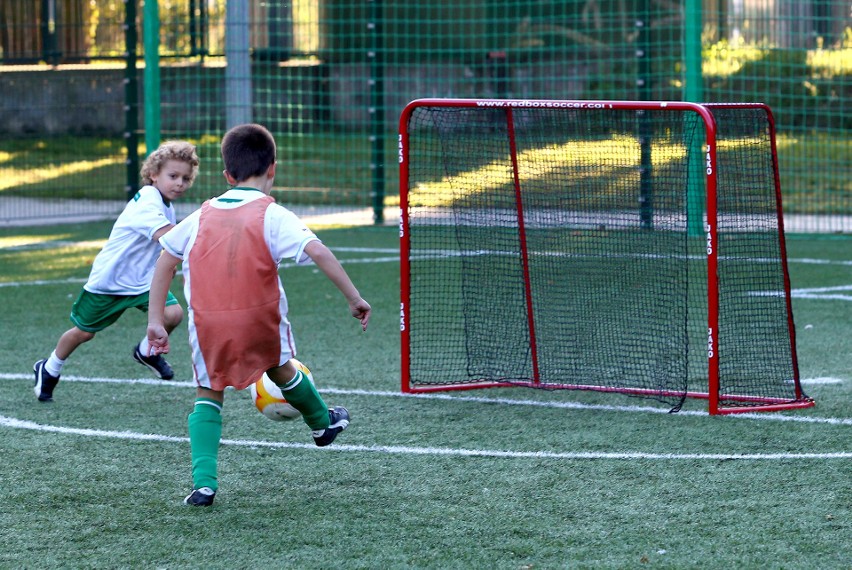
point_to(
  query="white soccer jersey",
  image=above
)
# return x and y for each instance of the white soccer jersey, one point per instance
(284, 232)
(125, 265)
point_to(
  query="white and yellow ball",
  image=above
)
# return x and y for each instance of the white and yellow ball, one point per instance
(270, 401)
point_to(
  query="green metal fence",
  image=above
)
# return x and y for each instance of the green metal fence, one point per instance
(88, 87)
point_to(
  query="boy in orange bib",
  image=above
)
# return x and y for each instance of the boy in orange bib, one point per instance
(236, 306)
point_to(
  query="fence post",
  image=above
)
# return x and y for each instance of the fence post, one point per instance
(694, 92)
(50, 21)
(643, 53)
(151, 40)
(375, 57)
(131, 99)
(238, 77)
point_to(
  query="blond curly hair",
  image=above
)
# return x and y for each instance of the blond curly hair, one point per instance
(169, 150)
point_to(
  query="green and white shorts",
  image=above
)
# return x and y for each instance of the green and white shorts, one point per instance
(93, 312)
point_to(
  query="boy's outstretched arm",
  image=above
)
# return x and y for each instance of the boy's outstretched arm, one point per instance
(328, 263)
(164, 272)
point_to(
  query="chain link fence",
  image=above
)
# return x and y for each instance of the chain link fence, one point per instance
(89, 87)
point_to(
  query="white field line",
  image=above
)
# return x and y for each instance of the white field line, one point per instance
(15, 423)
(824, 293)
(43, 282)
(473, 399)
(396, 251)
(57, 244)
(443, 451)
(282, 266)
(821, 380)
(54, 244)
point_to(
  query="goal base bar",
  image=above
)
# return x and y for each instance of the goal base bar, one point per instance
(729, 404)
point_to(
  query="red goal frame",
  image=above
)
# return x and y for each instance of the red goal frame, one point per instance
(705, 112)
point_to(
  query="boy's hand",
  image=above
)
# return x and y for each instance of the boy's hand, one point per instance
(158, 338)
(360, 309)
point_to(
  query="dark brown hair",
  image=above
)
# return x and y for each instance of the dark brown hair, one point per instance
(248, 150)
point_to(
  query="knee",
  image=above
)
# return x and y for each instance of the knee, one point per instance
(173, 316)
(82, 336)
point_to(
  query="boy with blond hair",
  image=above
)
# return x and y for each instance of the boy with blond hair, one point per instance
(122, 270)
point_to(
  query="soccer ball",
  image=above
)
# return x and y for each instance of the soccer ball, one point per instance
(269, 400)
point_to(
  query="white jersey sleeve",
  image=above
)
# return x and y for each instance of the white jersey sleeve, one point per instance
(287, 235)
(125, 265)
(178, 240)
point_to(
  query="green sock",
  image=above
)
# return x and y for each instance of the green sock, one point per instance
(302, 395)
(205, 432)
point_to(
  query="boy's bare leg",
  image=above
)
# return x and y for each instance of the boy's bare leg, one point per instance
(172, 317)
(70, 340)
(47, 370)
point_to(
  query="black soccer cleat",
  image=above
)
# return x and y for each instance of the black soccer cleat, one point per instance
(44, 382)
(202, 497)
(338, 418)
(156, 363)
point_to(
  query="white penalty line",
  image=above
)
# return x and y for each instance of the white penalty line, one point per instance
(288, 265)
(441, 451)
(479, 400)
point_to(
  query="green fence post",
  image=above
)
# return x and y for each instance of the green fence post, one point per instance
(643, 53)
(377, 110)
(131, 99)
(693, 92)
(151, 40)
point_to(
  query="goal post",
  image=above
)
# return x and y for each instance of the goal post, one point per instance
(553, 244)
